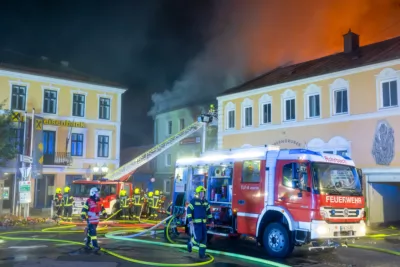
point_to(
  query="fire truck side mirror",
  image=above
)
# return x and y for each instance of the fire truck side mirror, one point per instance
(360, 176)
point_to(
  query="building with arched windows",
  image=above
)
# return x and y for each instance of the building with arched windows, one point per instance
(345, 104)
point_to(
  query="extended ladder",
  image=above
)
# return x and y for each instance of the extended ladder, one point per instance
(123, 172)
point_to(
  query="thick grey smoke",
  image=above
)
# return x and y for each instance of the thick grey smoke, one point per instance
(218, 67)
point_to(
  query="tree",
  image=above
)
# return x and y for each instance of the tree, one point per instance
(8, 149)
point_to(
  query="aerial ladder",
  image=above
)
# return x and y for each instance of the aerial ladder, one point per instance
(123, 173)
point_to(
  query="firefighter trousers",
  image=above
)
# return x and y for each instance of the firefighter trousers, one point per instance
(92, 235)
(68, 213)
(153, 212)
(137, 211)
(199, 238)
(126, 212)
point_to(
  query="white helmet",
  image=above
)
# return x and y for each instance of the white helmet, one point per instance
(94, 191)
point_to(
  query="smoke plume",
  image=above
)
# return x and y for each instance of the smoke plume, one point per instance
(251, 37)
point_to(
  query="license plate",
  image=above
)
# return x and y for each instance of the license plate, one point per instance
(346, 228)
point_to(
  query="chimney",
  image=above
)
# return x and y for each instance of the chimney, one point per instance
(351, 42)
(65, 63)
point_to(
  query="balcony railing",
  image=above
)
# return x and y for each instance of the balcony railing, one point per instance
(59, 158)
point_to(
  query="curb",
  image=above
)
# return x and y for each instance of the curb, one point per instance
(387, 251)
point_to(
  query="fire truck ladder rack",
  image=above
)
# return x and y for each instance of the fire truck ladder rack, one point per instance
(131, 166)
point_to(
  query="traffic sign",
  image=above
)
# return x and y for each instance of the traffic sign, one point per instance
(25, 159)
(25, 192)
(25, 172)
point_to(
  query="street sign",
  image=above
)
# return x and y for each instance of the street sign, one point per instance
(25, 159)
(25, 192)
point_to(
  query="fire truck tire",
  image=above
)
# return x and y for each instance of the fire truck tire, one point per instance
(276, 240)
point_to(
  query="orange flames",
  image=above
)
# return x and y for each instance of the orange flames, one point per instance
(276, 32)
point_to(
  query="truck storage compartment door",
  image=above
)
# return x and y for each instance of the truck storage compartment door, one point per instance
(248, 194)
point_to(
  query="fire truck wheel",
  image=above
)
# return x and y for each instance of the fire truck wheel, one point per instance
(276, 241)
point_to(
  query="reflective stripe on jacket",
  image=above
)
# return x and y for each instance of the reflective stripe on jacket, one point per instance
(199, 211)
(137, 200)
(92, 211)
(68, 200)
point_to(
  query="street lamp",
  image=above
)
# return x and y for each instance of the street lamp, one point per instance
(100, 171)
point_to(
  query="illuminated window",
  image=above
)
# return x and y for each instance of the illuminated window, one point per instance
(251, 171)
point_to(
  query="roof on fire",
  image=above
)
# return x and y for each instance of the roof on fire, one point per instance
(364, 55)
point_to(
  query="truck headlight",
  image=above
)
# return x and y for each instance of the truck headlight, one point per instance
(363, 230)
(321, 230)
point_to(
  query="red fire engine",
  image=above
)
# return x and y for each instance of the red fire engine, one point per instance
(282, 198)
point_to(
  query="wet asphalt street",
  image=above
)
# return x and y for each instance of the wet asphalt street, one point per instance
(42, 253)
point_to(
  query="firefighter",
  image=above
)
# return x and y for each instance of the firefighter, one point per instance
(57, 203)
(91, 213)
(161, 203)
(137, 204)
(125, 205)
(68, 202)
(153, 203)
(198, 213)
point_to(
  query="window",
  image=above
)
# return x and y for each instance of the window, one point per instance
(248, 119)
(251, 171)
(266, 114)
(103, 146)
(287, 174)
(341, 101)
(104, 108)
(17, 139)
(313, 106)
(78, 106)
(167, 187)
(50, 101)
(389, 94)
(288, 105)
(231, 119)
(265, 107)
(247, 113)
(341, 152)
(70, 178)
(18, 97)
(77, 144)
(168, 160)
(181, 124)
(169, 129)
(290, 109)
(230, 116)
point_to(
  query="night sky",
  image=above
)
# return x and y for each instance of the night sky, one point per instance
(144, 45)
(189, 47)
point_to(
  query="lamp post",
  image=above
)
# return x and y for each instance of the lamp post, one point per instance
(101, 171)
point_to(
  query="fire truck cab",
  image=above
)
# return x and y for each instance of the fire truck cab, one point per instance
(109, 193)
(282, 198)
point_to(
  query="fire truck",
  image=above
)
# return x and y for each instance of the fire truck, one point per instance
(115, 181)
(281, 197)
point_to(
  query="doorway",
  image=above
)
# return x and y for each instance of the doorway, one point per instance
(49, 147)
(44, 191)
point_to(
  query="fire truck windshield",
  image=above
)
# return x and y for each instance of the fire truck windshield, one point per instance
(81, 190)
(335, 179)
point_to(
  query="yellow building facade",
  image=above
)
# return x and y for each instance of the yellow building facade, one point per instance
(353, 111)
(88, 115)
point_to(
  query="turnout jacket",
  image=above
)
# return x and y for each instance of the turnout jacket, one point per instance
(91, 211)
(199, 211)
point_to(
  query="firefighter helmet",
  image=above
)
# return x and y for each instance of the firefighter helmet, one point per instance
(66, 189)
(200, 189)
(150, 194)
(94, 191)
(58, 190)
(157, 193)
(122, 192)
(137, 191)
